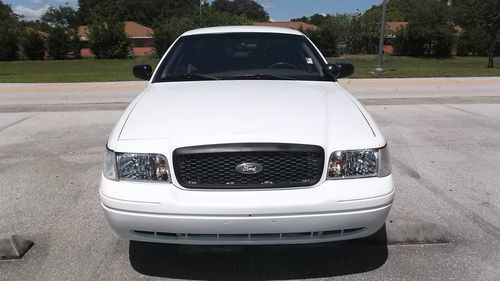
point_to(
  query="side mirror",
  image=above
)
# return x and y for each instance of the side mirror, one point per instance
(339, 70)
(143, 71)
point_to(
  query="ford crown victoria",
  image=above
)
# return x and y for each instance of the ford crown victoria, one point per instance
(244, 136)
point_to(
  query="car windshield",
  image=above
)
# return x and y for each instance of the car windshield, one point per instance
(241, 56)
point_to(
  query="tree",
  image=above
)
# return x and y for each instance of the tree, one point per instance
(58, 43)
(338, 34)
(107, 38)
(418, 40)
(88, 7)
(145, 12)
(302, 19)
(33, 45)
(357, 33)
(63, 22)
(213, 17)
(64, 16)
(429, 32)
(316, 19)
(325, 38)
(397, 10)
(349, 32)
(483, 16)
(248, 8)
(8, 36)
(472, 41)
(167, 31)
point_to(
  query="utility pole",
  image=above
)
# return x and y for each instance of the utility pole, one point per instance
(380, 64)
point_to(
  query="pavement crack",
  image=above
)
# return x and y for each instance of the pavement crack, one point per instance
(430, 100)
(469, 112)
(16, 122)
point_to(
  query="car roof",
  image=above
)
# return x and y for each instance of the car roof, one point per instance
(242, 29)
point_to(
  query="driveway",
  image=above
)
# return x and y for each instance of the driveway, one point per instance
(444, 136)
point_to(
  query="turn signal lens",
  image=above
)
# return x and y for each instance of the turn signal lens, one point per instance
(109, 169)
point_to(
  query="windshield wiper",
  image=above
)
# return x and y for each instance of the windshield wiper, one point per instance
(256, 76)
(188, 77)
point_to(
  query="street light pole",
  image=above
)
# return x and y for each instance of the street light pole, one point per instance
(380, 64)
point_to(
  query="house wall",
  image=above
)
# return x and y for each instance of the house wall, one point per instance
(143, 51)
(142, 42)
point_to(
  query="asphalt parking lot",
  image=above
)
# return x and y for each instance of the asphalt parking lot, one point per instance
(444, 136)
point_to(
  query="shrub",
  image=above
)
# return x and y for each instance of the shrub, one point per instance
(325, 39)
(107, 38)
(429, 31)
(472, 41)
(167, 31)
(33, 45)
(58, 43)
(415, 40)
(8, 36)
(8, 44)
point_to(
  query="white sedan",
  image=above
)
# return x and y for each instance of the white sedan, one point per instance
(244, 136)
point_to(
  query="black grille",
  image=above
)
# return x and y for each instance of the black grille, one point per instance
(214, 166)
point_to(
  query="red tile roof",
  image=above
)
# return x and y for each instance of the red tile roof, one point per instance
(297, 25)
(395, 25)
(132, 29)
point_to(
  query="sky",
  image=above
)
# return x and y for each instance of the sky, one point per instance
(279, 10)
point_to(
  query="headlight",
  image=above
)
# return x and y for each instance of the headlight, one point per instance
(359, 163)
(136, 167)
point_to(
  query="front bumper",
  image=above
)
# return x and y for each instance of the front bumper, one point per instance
(331, 211)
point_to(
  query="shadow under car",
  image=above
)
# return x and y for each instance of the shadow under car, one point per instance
(259, 262)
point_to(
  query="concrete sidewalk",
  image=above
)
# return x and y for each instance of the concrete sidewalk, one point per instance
(124, 92)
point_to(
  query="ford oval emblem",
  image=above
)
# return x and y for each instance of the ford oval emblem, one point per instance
(249, 168)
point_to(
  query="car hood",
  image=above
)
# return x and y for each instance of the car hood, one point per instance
(209, 112)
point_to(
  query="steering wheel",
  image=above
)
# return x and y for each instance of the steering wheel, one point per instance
(282, 63)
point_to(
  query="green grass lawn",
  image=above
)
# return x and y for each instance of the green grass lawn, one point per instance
(402, 67)
(84, 70)
(90, 70)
